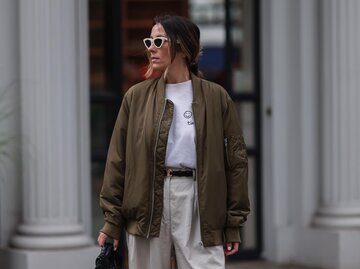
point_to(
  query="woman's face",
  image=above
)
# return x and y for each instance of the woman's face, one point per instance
(160, 57)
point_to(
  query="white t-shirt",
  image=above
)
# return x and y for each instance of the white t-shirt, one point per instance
(181, 151)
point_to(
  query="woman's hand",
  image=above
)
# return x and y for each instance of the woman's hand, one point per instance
(231, 248)
(102, 239)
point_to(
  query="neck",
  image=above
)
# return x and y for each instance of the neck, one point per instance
(177, 72)
(177, 78)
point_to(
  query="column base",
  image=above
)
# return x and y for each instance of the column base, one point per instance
(50, 242)
(49, 237)
(327, 248)
(338, 217)
(55, 259)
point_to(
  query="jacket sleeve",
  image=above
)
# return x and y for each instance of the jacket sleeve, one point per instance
(238, 206)
(111, 194)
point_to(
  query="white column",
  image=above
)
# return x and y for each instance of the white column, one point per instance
(52, 89)
(340, 95)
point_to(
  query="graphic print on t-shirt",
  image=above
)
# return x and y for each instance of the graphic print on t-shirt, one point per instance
(188, 115)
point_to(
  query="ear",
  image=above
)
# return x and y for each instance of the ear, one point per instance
(180, 51)
(181, 54)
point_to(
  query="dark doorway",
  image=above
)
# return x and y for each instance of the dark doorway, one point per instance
(231, 56)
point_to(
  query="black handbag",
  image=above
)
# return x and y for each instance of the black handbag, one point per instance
(108, 258)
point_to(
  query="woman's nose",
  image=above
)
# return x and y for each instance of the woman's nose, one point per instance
(152, 48)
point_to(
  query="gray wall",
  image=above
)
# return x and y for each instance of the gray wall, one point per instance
(10, 191)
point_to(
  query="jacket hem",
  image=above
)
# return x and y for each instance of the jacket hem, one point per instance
(232, 235)
(132, 227)
(213, 238)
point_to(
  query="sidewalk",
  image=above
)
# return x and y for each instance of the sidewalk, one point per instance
(262, 265)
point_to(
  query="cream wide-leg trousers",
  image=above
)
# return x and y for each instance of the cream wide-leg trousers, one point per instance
(180, 227)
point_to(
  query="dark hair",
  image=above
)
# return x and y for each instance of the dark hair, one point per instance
(183, 34)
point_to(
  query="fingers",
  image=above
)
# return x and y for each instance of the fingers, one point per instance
(101, 239)
(116, 244)
(231, 248)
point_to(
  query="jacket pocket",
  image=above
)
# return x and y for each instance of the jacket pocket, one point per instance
(235, 151)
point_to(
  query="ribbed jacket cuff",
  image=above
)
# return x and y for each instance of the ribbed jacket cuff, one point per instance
(111, 230)
(232, 235)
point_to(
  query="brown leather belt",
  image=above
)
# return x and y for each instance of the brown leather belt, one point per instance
(179, 173)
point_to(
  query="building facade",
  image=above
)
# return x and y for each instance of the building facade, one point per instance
(309, 66)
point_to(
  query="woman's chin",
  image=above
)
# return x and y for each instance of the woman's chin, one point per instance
(159, 68)
(156, 74)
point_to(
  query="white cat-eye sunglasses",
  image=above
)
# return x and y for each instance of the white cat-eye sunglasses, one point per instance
(157, 41)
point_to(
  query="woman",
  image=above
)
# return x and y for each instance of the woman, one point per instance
(176, 171)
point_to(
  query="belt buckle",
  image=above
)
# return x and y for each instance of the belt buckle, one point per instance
(169, 172)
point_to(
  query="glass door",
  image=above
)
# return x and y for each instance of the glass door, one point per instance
(243, 83)
(230, 40)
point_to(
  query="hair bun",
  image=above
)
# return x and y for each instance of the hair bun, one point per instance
(193, 65)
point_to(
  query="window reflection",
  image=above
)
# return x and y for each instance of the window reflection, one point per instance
(246, 112)
(242, 25)
(210, 17)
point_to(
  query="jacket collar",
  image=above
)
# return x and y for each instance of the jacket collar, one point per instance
(195, 81)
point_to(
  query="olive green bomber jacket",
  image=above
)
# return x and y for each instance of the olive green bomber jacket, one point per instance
(132, 192)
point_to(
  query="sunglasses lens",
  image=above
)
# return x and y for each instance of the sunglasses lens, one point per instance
(147, 43)
(158, 42)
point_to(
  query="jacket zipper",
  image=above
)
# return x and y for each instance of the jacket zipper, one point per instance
(153, 182)
(227, 151)
(197, 181)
